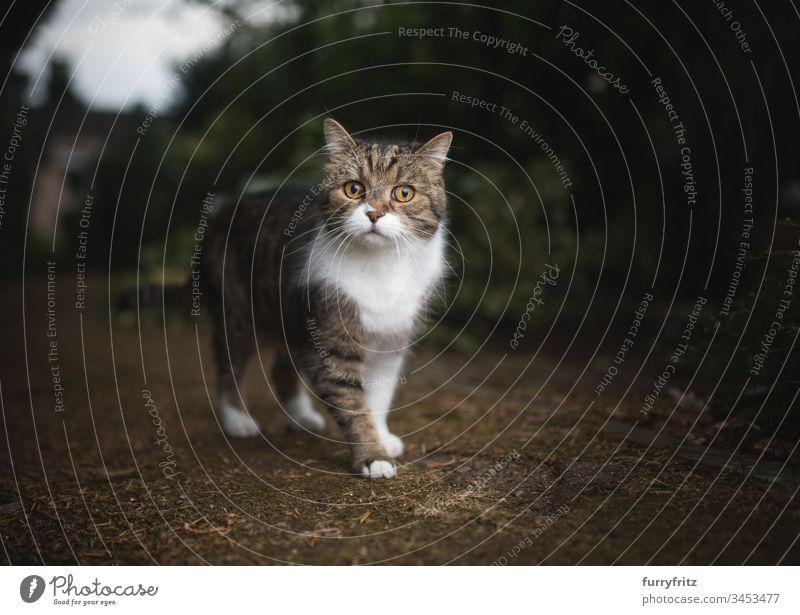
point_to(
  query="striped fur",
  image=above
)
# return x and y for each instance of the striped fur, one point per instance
(335, 291)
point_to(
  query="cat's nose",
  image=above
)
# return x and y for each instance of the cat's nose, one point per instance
(374, 215)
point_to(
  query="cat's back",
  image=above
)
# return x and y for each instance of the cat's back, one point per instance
(258, 238)
(263, 222)
(278, 212)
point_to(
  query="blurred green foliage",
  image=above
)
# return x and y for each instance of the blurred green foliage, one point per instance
(754, 374)
(248, 113)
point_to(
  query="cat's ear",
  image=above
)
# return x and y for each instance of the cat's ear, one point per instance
(337, 139)
(436, 149)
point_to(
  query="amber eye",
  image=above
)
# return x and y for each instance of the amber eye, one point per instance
(354, 189)
(403, 194)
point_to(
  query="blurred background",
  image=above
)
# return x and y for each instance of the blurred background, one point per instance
(147, 106)
(648, 150)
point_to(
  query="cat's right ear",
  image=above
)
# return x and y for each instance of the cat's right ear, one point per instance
(337, 139)
(436, 149)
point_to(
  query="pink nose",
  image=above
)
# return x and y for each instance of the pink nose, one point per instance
(374, 215)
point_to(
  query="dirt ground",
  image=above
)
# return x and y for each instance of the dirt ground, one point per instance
(506, 463)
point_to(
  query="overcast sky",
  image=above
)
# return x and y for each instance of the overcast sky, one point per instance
(123, 51)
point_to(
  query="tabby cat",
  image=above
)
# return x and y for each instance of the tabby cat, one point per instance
(335, 277)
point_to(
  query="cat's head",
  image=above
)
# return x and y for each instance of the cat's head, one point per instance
(379, 194)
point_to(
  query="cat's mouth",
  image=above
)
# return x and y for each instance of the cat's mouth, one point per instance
(375, 236)
(372, 233)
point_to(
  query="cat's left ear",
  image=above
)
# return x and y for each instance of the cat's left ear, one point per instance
(436, 149)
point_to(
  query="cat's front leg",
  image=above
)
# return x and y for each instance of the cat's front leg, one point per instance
(368, 455)
(341, 389)
(381, 376)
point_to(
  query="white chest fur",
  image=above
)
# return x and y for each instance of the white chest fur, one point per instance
(387, 284)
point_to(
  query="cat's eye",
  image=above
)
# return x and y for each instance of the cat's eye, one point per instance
(403, 194)
(354, 189)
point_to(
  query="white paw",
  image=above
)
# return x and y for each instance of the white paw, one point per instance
(312, 421)
(379, 469)
(303, 416)
(392, 444)
(238, 424)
